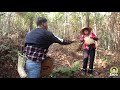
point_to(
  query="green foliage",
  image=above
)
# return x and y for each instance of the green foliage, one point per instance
(66, 72)
(8, 53)
(4, 48)
(7, 50)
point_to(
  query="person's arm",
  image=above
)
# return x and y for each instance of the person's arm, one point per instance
(81, 39)
(55, 39)
(62, 41)
(94, 36)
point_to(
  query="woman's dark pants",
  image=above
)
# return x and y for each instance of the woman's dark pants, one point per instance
(89, 53)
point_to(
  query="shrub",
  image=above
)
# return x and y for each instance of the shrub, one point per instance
(66, 72)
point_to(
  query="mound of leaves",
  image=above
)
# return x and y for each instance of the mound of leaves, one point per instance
(8, 58)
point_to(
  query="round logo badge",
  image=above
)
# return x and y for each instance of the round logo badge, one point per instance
(114, 70)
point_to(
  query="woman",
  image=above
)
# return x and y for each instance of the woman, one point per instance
(89, 50)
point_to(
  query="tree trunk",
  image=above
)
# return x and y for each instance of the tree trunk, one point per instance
(31, 23)
(9, 23)
(87, 20)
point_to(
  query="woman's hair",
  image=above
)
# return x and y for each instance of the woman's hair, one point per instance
(40, 20)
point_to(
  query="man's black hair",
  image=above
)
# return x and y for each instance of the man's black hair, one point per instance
(41, 20)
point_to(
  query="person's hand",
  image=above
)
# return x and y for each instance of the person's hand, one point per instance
(78, 49)
(73, 41)
(94, 38)
(67, 42)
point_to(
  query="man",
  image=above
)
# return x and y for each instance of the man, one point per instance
(37, 43)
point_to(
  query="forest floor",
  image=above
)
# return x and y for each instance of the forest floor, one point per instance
(64, 57)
